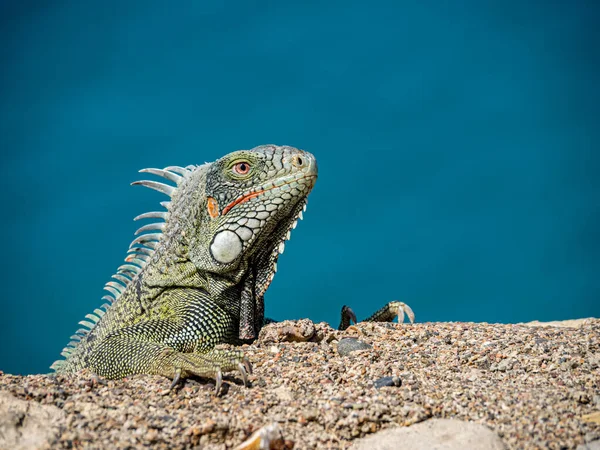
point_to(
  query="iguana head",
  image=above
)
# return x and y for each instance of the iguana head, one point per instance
(230, 220)
(251, 200)
(223, 216)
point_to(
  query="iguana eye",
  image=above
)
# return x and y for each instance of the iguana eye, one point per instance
(242, 168)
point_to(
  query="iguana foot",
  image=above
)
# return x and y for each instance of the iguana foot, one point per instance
(160, 359)
(97, 380)
(91, 379)
(386, 314)
(211, 364)
(392, 310)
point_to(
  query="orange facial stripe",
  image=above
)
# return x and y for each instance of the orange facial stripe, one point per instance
(252, 195)
(243, 199)
(213, 207)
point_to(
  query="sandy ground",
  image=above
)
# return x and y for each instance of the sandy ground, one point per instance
(535, 386)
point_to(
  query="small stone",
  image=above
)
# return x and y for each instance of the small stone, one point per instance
(387, 381)
(208, 426)
(288, 331)
(151, 435)
(310, 414)
(581, 397)
(505, 364)
(283, 393)
(349, 345)
(300, 332)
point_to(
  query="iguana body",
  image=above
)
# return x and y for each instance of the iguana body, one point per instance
(198, 278)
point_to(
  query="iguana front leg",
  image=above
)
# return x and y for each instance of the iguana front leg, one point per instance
(176, 346)
(386, 314)
(135, 357)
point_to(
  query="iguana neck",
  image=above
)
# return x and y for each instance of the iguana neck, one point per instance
(168, 272)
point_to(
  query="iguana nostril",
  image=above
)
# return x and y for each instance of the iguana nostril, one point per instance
(297, 161)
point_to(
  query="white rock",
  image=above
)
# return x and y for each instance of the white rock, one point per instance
(439, 434)
(572, 323)
(593, 445)
(27, 424)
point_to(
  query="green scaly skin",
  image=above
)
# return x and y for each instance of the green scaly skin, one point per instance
(198, 277)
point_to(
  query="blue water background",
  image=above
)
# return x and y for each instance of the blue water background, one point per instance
(457, 145)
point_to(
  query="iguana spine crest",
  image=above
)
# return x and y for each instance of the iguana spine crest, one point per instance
(141, 249)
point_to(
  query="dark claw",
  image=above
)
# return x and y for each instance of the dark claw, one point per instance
(351, 315)
(347, 317)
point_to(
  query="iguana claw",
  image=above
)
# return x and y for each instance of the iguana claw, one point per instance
(247, 365)
(96, 380)
(242, 370)
(175, 379)
(218, 382)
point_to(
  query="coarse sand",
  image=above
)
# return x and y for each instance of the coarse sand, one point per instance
(535, 386)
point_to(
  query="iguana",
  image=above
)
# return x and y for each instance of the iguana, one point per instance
(198, 276)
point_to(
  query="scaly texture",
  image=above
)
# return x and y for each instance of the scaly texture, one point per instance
(197, 278)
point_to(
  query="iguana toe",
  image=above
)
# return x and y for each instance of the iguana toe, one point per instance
(402, 308)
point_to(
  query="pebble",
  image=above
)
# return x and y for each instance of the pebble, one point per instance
(387, 381)
(348, 345)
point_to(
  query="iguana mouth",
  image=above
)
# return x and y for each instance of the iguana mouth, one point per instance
(253, 194)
